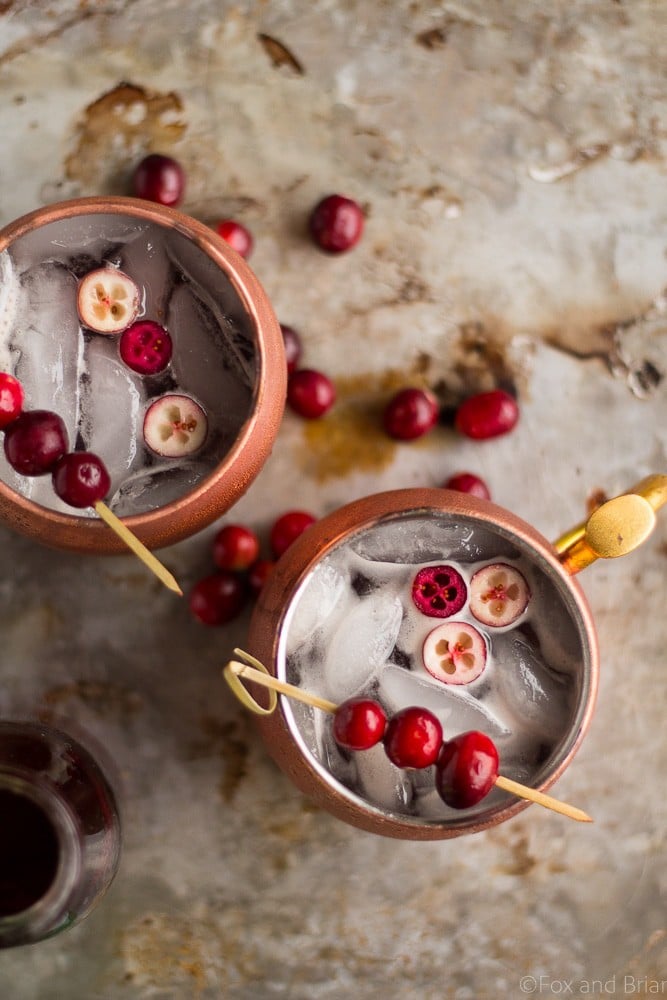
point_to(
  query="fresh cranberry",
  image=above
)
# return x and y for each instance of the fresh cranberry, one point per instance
(293, 347)
(336, 223)
(159, 178)
(359, 724)
(487, 415)
(238, 237)
(439, 591)
(410, 414)
(287, 528)
(35, 441)
(81, 479)
(146, 347)
(466, 769)
(413, 738)
(218, 598)
(310, 393)
(259, 573)
(235, 547)
(467, 482)
(11, 399)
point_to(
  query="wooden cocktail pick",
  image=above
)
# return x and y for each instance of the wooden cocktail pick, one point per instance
(137, 547)
(253, 670)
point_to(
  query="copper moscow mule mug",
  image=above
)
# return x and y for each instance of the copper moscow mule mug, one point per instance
(441, 525)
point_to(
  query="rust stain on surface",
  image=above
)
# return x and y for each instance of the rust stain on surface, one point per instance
(222, 739)
(103, 698)
(279, 54)
(113, 128)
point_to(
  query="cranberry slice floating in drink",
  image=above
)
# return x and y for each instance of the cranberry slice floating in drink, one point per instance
(439, 591)
(454, 653)
(107, 300)
(146, 347)
(499, 595)
(466, 769)
(175, 426)
(359, 723)
(413, 738)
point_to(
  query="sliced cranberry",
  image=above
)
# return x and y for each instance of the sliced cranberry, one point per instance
(467, 482)
(336, 223)
(359, 724)
(11, 399)
(310, 393)
(454, 653)
(487, 415)
(413, 738)
(81, 479)
(293, 347)
(287, 529)
(35, 441)
(238, 237)
(466, 769)
(499, 594)
(410, 414)
(159, 178)
(235, 547)
(259, 573)
(146, 347)
(439, 591)
(217, 599)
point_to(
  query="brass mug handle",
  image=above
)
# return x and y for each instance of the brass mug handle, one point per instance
(615, 528)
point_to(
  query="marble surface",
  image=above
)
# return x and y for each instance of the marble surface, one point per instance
(511, 160)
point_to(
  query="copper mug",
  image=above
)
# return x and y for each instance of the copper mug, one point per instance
(423, 527)
(91, 227)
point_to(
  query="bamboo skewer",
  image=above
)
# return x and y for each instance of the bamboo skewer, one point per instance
(137, 547)
(257, 673)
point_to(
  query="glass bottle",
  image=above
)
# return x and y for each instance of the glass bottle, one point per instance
(59, 831)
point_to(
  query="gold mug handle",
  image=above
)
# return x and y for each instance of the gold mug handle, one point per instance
(615, 528)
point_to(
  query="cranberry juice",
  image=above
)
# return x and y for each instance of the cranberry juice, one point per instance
(29, 853)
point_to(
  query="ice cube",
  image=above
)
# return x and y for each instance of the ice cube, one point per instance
(47, 342)
(9, 302)
(320, 597)
(112, 407)
(456, 708)
(380, 782)
(156, 486)
(537, 697)
(415, 538)
(361, 644)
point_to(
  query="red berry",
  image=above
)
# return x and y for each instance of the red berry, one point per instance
(359, 724)
(80, 479)
(259, 573)
(413, 738)
(410, 414)
(439, 591)
(35, 441)
(310, 393)
(467, 482)
(159, 178)
(336, 223)
(454, 653)
(218, 598)
(466, 769)
(499, 594)
(238, 237)
(487, 415)
(11, 399)
(287, 528)
(146, 347)
(293, 347)
(235, 547)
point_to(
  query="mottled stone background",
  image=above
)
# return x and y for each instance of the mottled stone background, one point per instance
(511, 157)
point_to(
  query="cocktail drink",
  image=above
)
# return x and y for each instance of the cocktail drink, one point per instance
(434, 599)
(156, 346)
